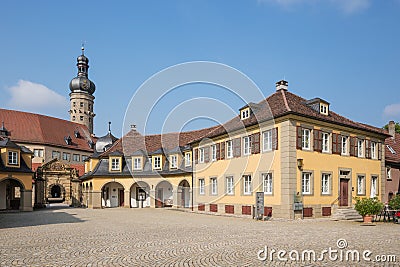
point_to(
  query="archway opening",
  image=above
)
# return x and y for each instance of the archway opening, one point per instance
(164, 195)
(184, 194)
(140, 195)
(56, 193)
(10, 194)
(112, 195)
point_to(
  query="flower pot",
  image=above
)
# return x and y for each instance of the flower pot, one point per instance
(368, 218)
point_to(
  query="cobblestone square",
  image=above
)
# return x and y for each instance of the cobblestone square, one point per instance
(160, 237)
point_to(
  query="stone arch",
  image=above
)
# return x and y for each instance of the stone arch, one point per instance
(112, 195)
(11, 192)
(184, 194)
(56, 193)
(140, 195)
(164, 194)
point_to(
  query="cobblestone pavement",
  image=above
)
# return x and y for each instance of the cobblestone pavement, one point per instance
(160, 237)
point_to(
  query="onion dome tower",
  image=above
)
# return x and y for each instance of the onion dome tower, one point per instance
(81, 96)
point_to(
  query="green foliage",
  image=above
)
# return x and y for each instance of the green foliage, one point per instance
(368, 206)
(394, 203)
(396, 127)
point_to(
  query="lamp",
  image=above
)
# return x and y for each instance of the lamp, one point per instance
(300, 164)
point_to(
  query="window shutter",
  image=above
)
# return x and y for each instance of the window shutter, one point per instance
(336, 144)
(222, 150)
(317, 140)
(218, 151)
(206, 154)
(275, 138)
(255, 143)
(236, 147)
(367, 149)
(299, 136)
(379, 151)
(196, 155)
(353, 145)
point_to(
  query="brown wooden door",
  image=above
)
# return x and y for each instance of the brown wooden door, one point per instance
(121, 198)
(344, 192)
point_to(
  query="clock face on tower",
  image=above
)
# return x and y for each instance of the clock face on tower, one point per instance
(85, 84)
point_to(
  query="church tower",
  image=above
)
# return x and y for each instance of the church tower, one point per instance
(81, 96)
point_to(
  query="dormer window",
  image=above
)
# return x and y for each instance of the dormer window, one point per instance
(137, 163)
(391, 149)
(319, 105)
(12, 158)
(77, 134)
(188, 159)
(157, 162)
(173, 161)
(115, 164)
(245, 113)
(324, 108)
(68, 140)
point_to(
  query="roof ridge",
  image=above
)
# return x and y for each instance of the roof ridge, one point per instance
(285, 100)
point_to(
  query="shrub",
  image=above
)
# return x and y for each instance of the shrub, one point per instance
(394, 203)
(368, 206)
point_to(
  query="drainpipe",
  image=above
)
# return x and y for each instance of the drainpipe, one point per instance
(192, 186)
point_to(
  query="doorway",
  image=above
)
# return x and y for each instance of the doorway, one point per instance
(344, 193)
(121, 197)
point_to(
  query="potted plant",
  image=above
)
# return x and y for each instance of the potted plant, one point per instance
(368, 207)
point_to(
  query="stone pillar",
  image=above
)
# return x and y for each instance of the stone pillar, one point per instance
(152, 198)
(90, 199)
(175, 194)
(190, 198)
(40, 201)
(26, 200)
(127, 199)
(288, 158)
(96, 199)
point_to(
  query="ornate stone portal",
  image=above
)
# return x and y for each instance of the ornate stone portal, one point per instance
(57, 183)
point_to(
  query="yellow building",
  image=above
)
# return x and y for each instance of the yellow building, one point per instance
(294, 151)
(15, 175)
(142, 171)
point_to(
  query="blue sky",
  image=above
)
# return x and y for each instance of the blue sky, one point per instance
(344, 51)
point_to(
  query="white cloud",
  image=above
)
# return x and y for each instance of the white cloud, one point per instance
(392, 110)
(37, 98)
(346, 6)
(352, 6)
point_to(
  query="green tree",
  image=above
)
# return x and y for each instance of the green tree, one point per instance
(396, 127)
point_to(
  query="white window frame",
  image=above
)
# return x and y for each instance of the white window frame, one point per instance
(360, 184)
(214, 153)
(306, 139)
(267, 180)
(388, 173)
(84, 157)
(306, 183)
(137, 163)
(76, 157)
(267, 140)
(201, 186)
(188, 159)
(12, 158)
(325, 142)
(115, 164)
(374, 186)
(326, 184)
(201, 155)
(66, 156)
(245, 113)
(157, 162)
(246, 145)
(373, 150)
(247, 185)
(38, 153)
(229, 185)
(214, 186)
(55, 154)
(173, 161)
(344, 145)
(360, 148)
(229, 149)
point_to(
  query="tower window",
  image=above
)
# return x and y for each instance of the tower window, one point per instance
(81, 104)
(73, 118)
(81, 118)
(73, 104)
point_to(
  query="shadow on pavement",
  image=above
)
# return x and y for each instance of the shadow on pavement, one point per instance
(50, 215)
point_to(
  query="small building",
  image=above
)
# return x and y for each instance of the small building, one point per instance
(16, 175)
(392, 159)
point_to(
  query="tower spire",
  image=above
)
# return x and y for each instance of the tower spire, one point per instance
(109, 127)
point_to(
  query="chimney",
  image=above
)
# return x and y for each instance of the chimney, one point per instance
(392, 128)
(282, 85)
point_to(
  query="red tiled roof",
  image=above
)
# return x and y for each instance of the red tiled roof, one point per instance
(393, 142)
(283, 103)
(134, 141)
(24, 127)
(80, 168)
